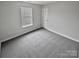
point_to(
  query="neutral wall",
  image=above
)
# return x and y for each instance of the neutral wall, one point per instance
(63, 18)
(10, 18)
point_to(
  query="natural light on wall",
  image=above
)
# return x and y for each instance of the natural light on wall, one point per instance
(26, 17)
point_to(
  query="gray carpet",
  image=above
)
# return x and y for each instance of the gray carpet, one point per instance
(40, 44)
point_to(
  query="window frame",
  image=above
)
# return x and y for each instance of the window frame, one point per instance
(22, 17)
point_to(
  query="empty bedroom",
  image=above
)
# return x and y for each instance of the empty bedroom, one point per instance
(39, 29)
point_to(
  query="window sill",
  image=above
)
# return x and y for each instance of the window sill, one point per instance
(26, 26)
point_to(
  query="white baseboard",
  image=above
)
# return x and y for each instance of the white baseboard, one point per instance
(63, 35)
(13, 35)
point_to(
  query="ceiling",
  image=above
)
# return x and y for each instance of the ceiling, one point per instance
(41, 2)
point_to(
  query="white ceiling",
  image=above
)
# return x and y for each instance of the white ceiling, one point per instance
(41, 2)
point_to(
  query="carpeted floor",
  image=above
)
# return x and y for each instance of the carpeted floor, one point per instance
(39, 44)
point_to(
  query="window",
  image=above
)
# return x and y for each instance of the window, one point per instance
(26, 16)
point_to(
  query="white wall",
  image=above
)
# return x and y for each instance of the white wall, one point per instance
(63, 18)
(10, 19)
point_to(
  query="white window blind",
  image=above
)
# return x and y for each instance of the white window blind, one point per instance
(26, 16)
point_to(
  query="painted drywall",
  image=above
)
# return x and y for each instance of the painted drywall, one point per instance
(63, 18)
(10, 17)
